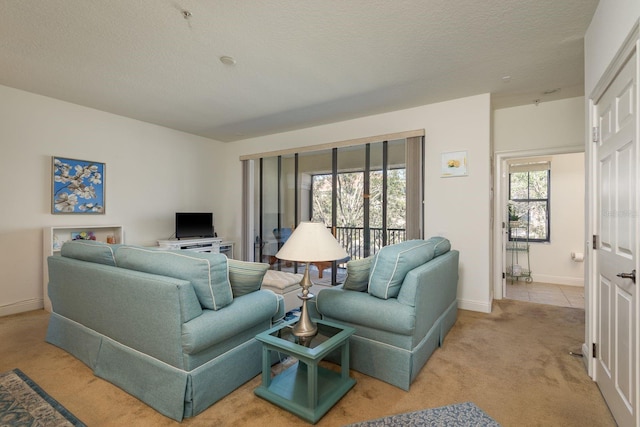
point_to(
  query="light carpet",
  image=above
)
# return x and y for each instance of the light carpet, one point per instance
(458, 415)
(513, 363)
(24, 403)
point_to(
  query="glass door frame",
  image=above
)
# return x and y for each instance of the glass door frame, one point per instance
(251, 218)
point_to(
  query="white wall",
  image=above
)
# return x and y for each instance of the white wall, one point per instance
(151, 172)
(610, 25)
(458, 208)
(548, 125)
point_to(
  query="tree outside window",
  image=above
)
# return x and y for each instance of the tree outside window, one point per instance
(529, 202)
(350, 205)
(350, 196)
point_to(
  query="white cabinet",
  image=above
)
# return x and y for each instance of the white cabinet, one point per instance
(197, 245)
(226, 248)
(54, 237)
(214, 245)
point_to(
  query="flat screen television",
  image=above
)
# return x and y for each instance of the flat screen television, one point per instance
(194, 224)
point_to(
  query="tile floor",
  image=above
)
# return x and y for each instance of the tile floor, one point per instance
(546, 293)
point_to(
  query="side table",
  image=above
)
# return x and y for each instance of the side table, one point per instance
(305, 388)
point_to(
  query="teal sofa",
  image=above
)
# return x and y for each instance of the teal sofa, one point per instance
(176, 329)
(402, 303)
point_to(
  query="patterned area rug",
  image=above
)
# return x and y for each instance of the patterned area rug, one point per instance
(23, 403)
(458, 415)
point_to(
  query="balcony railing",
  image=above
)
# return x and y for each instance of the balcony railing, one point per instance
(352, 239)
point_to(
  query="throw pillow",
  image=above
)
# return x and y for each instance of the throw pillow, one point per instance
(392, 264)
(358, 274)
(245, 277)
(207, 272)
(90, 250)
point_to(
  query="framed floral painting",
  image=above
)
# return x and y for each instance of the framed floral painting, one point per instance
(454, 164)
(77, 186)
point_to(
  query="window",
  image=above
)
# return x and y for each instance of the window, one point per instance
(369, 191)
(529, 202)
(351, 206)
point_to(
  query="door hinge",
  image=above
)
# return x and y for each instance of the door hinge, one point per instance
(594, 242)
(595, 134)
(594, 350)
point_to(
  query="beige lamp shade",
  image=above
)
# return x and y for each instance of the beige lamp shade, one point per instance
(311, 241)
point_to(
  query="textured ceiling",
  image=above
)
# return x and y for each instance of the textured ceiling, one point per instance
(300, 63)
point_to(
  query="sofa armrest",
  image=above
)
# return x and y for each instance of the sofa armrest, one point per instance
(431, 289)
(279, 315)
(243, 313)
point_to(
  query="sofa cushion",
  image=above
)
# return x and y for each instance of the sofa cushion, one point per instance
(90, 250)
(281, 282)
(207, 272)
(358, 274)
(393, 262)
(245, 277)
(362, 310)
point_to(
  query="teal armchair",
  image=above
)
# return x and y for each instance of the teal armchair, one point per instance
(402, 303)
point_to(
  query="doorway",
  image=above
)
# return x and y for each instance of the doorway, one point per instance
(539, 253)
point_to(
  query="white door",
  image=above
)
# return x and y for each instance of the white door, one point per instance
(616, 152)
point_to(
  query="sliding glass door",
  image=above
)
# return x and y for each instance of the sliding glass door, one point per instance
(360, 192)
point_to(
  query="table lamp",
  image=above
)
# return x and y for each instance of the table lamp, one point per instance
(310, 241)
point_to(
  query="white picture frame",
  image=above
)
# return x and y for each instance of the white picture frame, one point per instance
(454, 164)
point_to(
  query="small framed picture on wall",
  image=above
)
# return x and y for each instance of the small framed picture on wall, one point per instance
(77, 186)
(454, 164)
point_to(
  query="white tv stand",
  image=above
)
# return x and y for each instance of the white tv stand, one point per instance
(210, 244)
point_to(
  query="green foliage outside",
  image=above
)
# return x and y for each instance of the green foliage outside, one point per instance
(350, 199)
(529, 202)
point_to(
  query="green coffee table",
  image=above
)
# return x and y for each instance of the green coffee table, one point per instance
(306, 389)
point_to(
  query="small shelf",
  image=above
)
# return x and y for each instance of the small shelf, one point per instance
(518, 247)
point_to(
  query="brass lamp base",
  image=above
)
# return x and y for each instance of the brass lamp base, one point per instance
(305, 326)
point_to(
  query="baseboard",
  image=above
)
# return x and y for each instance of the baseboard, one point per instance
(21, 307)
(558, 280)
(482, 307)
(586, 357)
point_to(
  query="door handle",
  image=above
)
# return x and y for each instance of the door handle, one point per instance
(631, 275)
